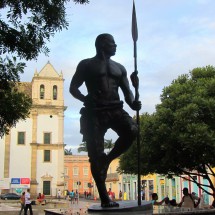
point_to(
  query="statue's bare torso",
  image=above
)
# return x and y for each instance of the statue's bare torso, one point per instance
(103, 79)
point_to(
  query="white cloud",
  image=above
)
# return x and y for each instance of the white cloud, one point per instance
(174, 37)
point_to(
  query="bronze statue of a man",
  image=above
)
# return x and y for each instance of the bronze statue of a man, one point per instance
(103, 109)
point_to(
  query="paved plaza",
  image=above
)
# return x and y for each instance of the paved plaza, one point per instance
(13, 207)
(10, 207)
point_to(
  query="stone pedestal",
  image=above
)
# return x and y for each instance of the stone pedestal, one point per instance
(124, 206)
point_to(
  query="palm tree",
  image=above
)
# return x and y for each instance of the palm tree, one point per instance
(82, 147)
(67, 151)
(108, 144)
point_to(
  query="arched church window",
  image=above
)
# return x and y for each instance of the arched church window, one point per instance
(55, 92)
(42, 91)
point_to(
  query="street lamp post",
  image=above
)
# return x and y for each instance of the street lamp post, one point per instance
(78, 183)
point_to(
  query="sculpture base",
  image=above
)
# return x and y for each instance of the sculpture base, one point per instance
(124, 206)
(129, 208)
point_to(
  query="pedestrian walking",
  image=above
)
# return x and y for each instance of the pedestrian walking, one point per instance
(28, 202)
(76, 196)
(22, 201)
(72, 196)
(59, 195)
(120, 195)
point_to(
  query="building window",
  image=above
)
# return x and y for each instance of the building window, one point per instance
(151, 187)
(75, 185)
(42, 91)
(110, 185)
(21, 138)
(66, 185)
(65, 170)
(110, 170)
(75, 170)
(195, 178)
(47, 138)
(46, 187)
(55, 92)
(47, 156)
(85, 170)
(86, 185)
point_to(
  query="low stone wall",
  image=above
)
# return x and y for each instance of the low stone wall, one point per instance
(168, 210)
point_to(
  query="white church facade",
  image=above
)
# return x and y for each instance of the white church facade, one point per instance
(32, 154)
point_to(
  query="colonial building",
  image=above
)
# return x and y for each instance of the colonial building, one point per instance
(173, 188)
(32, 154)
(77, 174)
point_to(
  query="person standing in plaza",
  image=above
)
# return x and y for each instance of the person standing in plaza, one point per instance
(22, 201)
(76, 196)
(28, 202)
(72, 197)
(59, 195)
(120, 195)
(110, 194)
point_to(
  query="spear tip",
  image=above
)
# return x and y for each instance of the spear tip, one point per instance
(134, 24)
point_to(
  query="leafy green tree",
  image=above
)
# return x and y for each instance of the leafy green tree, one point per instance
(179, 139)
(25, 28)
(128, 160)
(28, 25)
(108, 144)
(15, 104)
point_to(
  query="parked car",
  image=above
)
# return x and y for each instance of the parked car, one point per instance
(11, 196)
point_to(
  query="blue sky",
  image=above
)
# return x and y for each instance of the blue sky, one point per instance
(174, 36)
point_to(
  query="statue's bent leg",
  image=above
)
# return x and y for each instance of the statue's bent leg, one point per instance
(127, 131)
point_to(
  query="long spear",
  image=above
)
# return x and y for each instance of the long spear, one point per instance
(135, 83)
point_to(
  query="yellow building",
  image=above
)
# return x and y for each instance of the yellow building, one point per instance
(128, 184)
(113, 179)
(148, 186)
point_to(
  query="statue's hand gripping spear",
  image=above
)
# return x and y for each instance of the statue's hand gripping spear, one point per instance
(134, 77)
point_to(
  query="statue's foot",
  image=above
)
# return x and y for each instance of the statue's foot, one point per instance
(109, 204)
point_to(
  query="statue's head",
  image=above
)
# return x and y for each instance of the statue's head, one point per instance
(105, 43)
